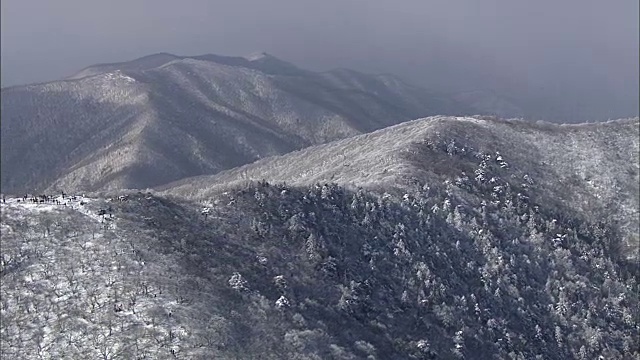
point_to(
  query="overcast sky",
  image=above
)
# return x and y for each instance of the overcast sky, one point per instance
(569, 47)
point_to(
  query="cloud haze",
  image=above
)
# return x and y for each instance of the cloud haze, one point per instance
(580, 50)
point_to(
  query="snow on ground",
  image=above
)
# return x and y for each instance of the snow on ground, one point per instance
(117, 75)
(79, 204)
(77, 264)
(470, 119)
(256, 56)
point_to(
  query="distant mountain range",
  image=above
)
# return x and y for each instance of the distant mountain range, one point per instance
(164, 117)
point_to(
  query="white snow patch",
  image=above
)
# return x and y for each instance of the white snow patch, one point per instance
(118, 75)
(256, 56)
(470, 119)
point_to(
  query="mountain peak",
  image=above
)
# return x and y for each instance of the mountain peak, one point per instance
(259, 56)
(143, 63)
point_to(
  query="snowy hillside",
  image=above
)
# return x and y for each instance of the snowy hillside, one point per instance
(163, 117)
(589, 169)
(301, 215)
(449, 267)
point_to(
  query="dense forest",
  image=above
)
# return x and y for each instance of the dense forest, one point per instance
(477, 265)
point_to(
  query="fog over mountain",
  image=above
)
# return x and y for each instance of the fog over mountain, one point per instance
(163, 117)
(442, 179)
(570, 61)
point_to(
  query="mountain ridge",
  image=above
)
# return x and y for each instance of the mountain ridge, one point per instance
(236, 114)
(452, 253)
(584, 168)
(160, 59)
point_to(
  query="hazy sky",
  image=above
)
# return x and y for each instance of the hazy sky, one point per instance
(578, 49)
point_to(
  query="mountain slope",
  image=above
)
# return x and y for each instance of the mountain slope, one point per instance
(433, 245)
(163, 117)
(143, 63)
(262, 61)
(588, 169)
(47, 129)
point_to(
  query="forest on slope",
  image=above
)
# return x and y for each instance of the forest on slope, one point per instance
(468, 258)
(591, 169)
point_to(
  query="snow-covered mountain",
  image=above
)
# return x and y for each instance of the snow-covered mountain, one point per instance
(440, 238)
(164, 117)
(303, 215)
(586, 169)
